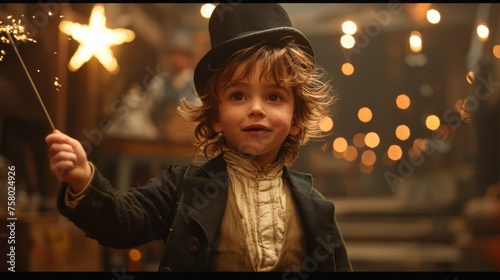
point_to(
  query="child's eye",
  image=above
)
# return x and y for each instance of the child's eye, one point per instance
(274, 97)
(237, 96)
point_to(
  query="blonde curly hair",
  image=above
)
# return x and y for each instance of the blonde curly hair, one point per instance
(289, 65)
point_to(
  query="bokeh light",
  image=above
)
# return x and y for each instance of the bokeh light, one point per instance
(402, 132)
(349, 27)
(365, 114)
(351, 153)
(347, 69)
(134, 255)
(394, 152)
(432, 122)
(326, 124)
(340, 144)
(403, 101)
(372, 139)
(433, 16)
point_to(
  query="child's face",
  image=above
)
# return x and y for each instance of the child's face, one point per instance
(255, 115)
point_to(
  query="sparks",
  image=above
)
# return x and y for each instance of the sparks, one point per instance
(17, 32)
(57, 84)
(16, 29)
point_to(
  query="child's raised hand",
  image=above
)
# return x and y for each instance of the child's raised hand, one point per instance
(68, 160)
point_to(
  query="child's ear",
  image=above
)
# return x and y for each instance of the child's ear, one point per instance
(294, 130)
(216, 126)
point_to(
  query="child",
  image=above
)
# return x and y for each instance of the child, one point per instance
(243, 210)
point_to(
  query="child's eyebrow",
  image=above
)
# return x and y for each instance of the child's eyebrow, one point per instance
(271, 85)
(276, 86)
(235, 83)
(232, 84)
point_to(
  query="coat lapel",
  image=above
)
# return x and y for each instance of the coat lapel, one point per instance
(206, 195)
(317, 214)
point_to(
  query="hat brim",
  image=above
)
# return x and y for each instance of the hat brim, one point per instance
(220, 53)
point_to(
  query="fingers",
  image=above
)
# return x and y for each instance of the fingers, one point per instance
(56, 148)
(56, 137)
(61, 169)
(58, 141)
(66, 154)
(77, 148)
(61, 159)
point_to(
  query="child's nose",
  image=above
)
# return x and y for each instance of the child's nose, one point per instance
(256, 109)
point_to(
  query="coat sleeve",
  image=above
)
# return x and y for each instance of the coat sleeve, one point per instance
(120, 219)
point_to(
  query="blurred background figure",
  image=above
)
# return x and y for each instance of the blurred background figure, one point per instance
(136, 123)
(173, 81)
(151, 110)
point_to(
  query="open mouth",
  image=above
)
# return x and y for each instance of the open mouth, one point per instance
(256, 129)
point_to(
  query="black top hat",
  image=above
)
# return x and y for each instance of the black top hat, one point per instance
(236, 26)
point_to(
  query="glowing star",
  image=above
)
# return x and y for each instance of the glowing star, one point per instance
(95, 40)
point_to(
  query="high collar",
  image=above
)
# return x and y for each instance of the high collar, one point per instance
(248, 168)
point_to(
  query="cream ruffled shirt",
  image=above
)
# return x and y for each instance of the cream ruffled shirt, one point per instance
(260, 196)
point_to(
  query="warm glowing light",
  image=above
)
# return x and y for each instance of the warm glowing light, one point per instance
(416, 42)
(368, 158)
(347, 41)
(463, 108)
(372, 139)
(402, 132)
(365, 114)
(359, 140)
(95, 40)
(482, 31)
(432, 122)
(349, 27)
(57, 84)
(134, 255)
(496, 51)
(433, 16)
(206, 10)
(420, 144)
(394, 152)
(403, 101)
(17, 30)
(470, 77)
(351, 153)
(347, 69)
(340, 145)
(326, 124)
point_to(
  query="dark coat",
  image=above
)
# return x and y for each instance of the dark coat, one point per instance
(184, 206)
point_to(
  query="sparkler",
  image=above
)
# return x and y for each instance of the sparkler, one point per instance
(18, 30)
